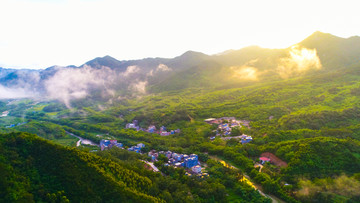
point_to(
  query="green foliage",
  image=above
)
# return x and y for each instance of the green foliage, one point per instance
(311, 122)
(317, 157)
(329, 190)
(54, 107)
(36, 170)
(43, 129)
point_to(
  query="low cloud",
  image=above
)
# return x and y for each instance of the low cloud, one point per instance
(131, 70)
(299, 61)
(163, 67)
(15, 93)
(21, 86)
(70, 84)
(139, 86)
(76, 83)
(160, 68)
(246, 72)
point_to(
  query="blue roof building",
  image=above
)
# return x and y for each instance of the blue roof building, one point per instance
(246, 139)
(162, 128)
(108, 144)
(191, 161)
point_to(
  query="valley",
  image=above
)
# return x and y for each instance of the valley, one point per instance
(283, 120)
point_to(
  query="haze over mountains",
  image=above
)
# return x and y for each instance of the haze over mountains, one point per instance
(108, 79)
(299, 105)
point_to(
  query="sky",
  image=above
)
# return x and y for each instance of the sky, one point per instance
(40, 33)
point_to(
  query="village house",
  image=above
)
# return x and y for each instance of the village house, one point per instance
(151, 129)
(133, 125)
(212, 121)
(136, 148)
(108, 144)
(189, 162)
(196, 169)
(225, 127)
(184, 159)
(154, 155)
(245, 139)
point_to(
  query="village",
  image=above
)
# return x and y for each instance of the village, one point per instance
(151, 129)
(190, 162)
(225, 125)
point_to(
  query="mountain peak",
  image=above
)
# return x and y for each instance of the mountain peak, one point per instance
(104, 61)
(318, 38)
(108, 57)
(192, 54)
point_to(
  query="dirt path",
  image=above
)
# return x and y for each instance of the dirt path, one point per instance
(258, 165)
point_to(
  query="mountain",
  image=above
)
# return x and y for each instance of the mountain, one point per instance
(107, 61)
(299, 105)
(334, 52)
(317, 54)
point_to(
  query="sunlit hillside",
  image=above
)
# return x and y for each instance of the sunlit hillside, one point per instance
(265, 125)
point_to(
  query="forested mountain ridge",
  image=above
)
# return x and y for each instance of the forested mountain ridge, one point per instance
(317, 54)
(334, 52)
(302, 105)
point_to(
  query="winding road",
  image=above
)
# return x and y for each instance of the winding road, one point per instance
(82, 140)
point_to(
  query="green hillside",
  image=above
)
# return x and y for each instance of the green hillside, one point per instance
(34, 170)
(302, 105)
(228, 70)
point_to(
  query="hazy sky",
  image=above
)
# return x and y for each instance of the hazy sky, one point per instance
(40, 33)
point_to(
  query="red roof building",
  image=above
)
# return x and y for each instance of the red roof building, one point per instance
(264, 159)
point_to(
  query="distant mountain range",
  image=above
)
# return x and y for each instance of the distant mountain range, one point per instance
(319, 53)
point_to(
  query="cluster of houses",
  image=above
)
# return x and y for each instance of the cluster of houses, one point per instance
(189, 162)
(4, 114)
(108, 144)
(243, 138)
(13, 125)
(182, 160)
(231, 120)
(151, 129)
(225, 126)
(136, 148)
